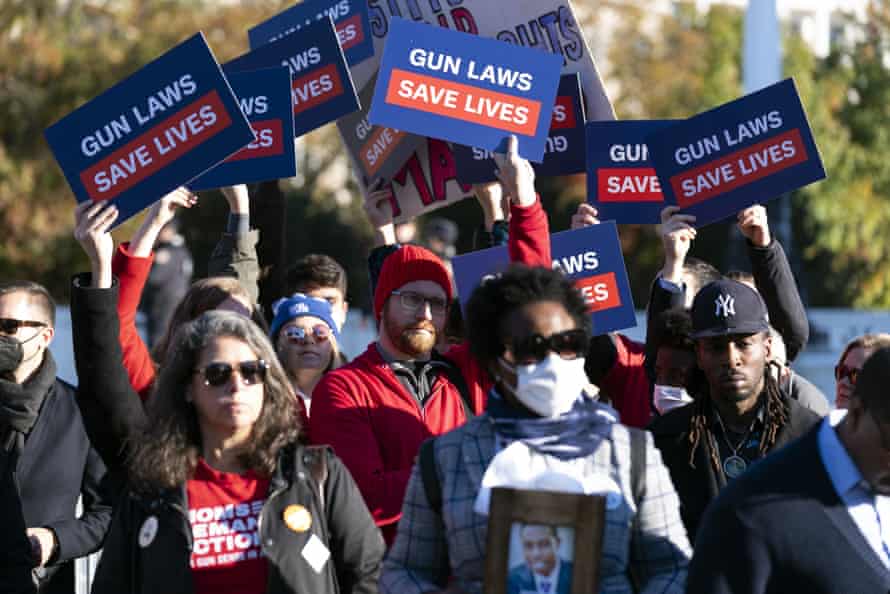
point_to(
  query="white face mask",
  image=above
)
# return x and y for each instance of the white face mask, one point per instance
(667, 398)
(551, 387)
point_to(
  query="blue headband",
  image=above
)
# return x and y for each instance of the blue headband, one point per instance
(300, 306)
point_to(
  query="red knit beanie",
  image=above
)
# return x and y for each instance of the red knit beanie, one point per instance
(407, 264)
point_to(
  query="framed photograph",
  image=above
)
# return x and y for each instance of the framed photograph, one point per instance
(543, 542)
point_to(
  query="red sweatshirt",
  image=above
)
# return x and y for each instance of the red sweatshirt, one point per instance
(627, 384)
(376, 426)
(132, 272)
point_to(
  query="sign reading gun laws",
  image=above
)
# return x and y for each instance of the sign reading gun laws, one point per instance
(350, 18)
(564, 152)
(621, 182)
(466, 89)
(429, 181)
(747, 151)
(591, 257)
(264, 97)
(152, 132)
(322, 89)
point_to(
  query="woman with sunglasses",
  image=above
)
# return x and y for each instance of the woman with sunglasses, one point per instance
(528, 328)
(850, 363)
(306, 339)
(221, 496)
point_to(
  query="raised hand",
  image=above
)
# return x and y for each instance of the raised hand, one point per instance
(754, 225)
(677, 234)
(161, 213)
(585, 216)
(92, 220)
(378, 208)
(516, 175)
(495, 206)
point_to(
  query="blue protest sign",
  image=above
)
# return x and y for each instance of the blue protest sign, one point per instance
(748, 151)
(591, 257)
(350, 19)
(467, 89)
(564, 151)
(264, 97)
(152, 132)
(621, 182)
(322, 89)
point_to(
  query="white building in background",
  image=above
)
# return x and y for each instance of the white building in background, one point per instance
(821, 23)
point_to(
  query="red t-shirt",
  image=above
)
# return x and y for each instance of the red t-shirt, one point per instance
(224, 511)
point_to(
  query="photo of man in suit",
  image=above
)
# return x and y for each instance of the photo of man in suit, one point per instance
(543, 570)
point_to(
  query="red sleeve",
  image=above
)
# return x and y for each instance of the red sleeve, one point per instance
(478, 380)
(529, 241)
(339, 419)
(627, 383)
(132, 274)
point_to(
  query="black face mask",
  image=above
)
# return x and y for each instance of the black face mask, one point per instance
(11, 355)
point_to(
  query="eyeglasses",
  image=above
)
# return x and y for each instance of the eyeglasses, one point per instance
(569, 345)
(320, 332)
(413, 302)
(11, 326)
(218, 374)
(850, 373)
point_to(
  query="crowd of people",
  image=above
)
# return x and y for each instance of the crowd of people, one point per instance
(245, 454)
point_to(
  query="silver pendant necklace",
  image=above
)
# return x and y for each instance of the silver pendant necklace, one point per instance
(734, 465)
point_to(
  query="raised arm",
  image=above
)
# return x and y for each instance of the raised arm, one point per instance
(775, 281)
(235, 254)
(112, 411)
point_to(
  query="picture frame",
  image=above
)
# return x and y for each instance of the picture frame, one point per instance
(524, 517)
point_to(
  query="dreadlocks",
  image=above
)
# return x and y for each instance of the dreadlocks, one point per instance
(700, 423)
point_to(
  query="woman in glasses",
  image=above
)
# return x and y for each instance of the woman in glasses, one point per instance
(222, 497)
(851, 361)
(306, 339)
(528, 328)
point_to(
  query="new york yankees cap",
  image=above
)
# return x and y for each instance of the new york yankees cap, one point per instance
(728, 307)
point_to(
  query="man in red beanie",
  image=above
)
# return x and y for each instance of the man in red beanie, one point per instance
(378, 409)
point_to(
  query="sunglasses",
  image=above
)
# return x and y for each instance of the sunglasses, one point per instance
(11, 326)
(218, 374)
(320, 332)
(413, 302)
(570, 344)
(850, 373)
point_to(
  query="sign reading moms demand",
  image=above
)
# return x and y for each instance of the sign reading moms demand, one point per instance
(264, 97)
(591, 257)
(621, 182)
(322, 89)
(350, 19)
(748, 151)
(152, 132)
(459, 87)
(564, 152)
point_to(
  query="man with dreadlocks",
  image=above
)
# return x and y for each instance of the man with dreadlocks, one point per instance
(739, 414)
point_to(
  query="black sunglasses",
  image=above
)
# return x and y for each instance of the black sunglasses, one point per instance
(569, 345)
(218, 374)
(11, 326)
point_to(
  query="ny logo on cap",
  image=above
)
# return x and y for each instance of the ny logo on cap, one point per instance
(300, 308)
(725, 305)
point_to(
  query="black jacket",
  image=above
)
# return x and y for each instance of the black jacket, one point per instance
(55, 468)
(340, 519)
(782, 528)
(114, 415)
(698, 486)
(15, 571)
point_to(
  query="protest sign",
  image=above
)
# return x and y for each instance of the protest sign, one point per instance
(428, 181)
(591, 257)
(748, 151)
(467, 89)
(264, 98)
(621, 182)
(350, 20)
(322, 89)
(152, 132)
(376, 151)
(564, 152)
